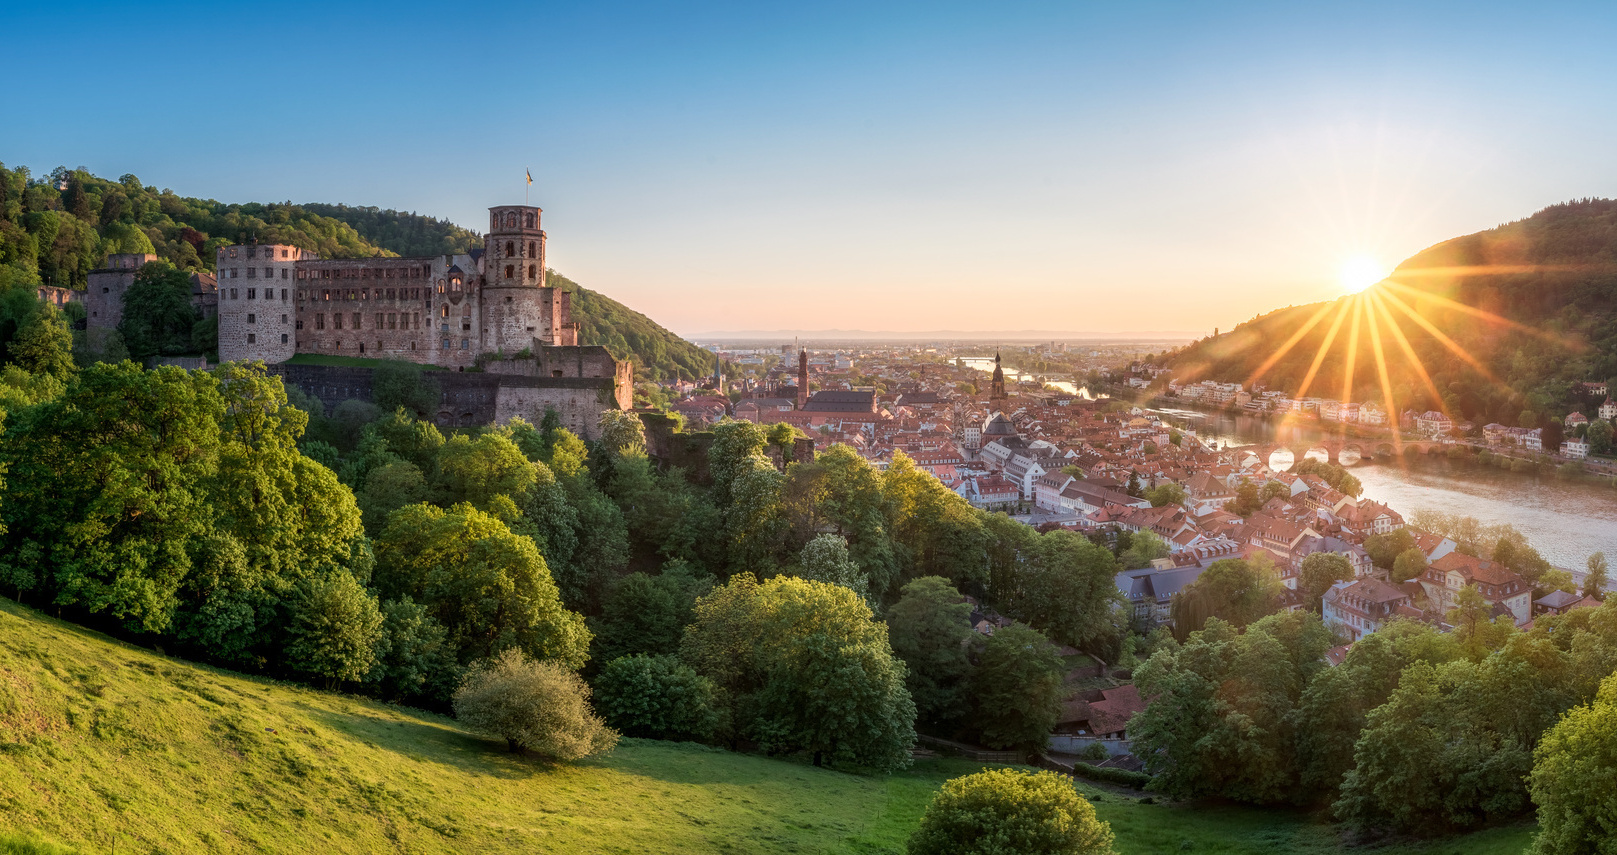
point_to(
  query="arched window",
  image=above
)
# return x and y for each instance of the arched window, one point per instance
(510, 249)
(510, 271)
(533, 249)
(533, 271)
(493, 220)
(530, 219)
(511, 221)
(443, 312)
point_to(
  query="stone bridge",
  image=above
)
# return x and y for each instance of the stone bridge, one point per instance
(1366, 449)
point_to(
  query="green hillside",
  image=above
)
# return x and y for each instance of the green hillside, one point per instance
(114, 748)
(1529, 309)
(57, 236)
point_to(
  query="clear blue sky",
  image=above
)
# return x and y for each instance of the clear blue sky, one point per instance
(997, 166)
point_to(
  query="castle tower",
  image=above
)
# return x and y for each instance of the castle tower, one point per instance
(257, 286)
(517, 308)
(996, 387)
(802, 378)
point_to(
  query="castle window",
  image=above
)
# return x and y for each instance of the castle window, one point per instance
(418, 320)
(232, 252)
(443, 311)
(510, 271)
(232, 293)
(300, 323)
(269, 273)
(252, 319)
(445, 345)
(285, 274)
(412, 345)
(392, 321)
(356, 320)
(507, 299)
(365, 273)
(252, 251)
(252, 293)
(509, 249)
(390, 293)
(303, 274)
(350, 295)
(284, 253)
(533, 271)
(364, 293)
(464, 343)
(325, 274)
(466, 327)
(326, 295)
(533, 251)
(319, 322)
(283, 338)
(252, 338)
(530, 219)
(252, 272)
(378, 320)
(283, 319)
(283, 295)
(336, 320)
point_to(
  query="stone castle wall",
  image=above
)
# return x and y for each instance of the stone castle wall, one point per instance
(256, 290)
(104, 295)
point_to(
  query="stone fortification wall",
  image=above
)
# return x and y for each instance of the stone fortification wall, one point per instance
(104, 295)
(388, 308)
(578, 401)
(472, 398)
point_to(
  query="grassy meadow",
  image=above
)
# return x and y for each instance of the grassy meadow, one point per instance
(110, 748)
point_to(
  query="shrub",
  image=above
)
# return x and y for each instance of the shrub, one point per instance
(1107, 775)
(1095, 752)
(1003, 810)
(537, 706)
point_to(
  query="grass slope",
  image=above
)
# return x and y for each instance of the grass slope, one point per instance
(112, 748)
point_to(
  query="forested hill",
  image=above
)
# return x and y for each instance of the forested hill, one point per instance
(1529, 310)
(56, 228)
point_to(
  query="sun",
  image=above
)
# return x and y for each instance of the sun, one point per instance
(1359, 273)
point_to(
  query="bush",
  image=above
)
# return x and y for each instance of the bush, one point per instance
(657, 697)
(537, 706)
(1107, 775)
(1003, 810)
(1095, 752)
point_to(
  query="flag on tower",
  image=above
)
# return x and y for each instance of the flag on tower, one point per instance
(530, 175)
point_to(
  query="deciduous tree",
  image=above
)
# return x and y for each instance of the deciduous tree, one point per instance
(536, 706)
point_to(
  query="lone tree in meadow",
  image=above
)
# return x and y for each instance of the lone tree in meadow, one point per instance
(1005, 811)
(535, 706)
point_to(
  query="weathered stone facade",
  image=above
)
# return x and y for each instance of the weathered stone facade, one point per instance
(488, 308)
(104, 295)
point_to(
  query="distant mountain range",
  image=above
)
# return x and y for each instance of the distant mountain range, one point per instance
(1504, 325)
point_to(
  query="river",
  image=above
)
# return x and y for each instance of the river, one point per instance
(1014, 375)
(1565, 521)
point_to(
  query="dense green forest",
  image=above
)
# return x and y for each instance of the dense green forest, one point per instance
(56, 228)
(1529, 310)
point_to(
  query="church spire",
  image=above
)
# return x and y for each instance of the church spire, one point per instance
(996, 388)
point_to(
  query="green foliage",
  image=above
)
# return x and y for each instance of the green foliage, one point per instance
(1409, 564)
(413, 657)
(632, 336)
(1594, 583)
(1067, 589)
(1164, 494)
(534, 706)
(1144, 547)
(334, 629)
(1574, 780)
(157, 314)
(647, 614)
(1600, 436)
(804, 668)
(43, 345)
(1004, 810)
(396, 385)
(1233, 590)
(1111, 775)
(1221, 716)
(1339, 478)
(478, 470)
(825, 559)
(657, 697)
(488, 587)
(929, 628)
(1384, 549)
(1016, 689)
(1319, 572)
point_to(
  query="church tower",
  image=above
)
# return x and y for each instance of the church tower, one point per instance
(996, 388)
(802, 378)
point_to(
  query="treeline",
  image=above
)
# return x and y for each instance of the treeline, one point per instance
(1549, 278)
(1416, 730)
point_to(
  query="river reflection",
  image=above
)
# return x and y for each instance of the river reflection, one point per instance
(1565, 521)
(1013, 375)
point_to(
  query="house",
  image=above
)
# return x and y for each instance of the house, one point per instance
(1574, 419)
(1433, 422)
(1362, 606)
(1608, 410)
(992, 492)
(1366, 518)
(1446, 577)
(1106, 717)
(1555, 603)
(1204, 493)
(1577, 449)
